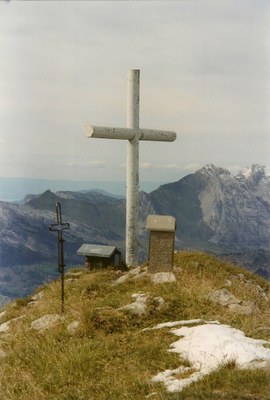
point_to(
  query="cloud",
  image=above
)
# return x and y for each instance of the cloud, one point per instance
(146, 165)
(94, 164)
(170, 166)
(192, 167)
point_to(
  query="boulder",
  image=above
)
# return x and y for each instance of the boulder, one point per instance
(6, 325)
(223, 297)
(163, 277)
(139, 306)
(46, 322)
(245, 308)
(73, 327)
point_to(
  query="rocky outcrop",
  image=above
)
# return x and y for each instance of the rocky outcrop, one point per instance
(225, 298)
(236, 208)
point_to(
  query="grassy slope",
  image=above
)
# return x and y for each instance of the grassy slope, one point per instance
(110, 357)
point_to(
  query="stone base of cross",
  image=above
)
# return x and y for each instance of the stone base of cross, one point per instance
(133, 134)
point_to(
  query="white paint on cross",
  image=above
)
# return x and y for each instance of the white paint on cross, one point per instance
(133, 134)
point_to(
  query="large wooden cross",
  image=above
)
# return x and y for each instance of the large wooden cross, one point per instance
(133, 134)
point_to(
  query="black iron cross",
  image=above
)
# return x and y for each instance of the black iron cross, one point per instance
(59, 227)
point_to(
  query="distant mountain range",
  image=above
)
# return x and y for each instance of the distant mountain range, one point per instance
(215, 211)
(15, 189)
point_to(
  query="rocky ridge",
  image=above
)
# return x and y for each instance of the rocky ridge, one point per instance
(116, 318)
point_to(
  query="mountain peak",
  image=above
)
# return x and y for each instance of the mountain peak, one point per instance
(45, 200)
(254, 173)
(48, 193)
(211, 169)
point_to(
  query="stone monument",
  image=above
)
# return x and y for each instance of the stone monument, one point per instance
(161, 242)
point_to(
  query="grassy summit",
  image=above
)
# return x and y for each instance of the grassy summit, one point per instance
(99, 352)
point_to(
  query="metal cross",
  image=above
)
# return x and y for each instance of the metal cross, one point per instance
(59, 227)
(133, 134)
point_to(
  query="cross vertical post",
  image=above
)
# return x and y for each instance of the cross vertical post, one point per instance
(132, 189)
(59, 227)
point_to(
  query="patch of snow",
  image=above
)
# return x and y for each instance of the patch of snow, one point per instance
(209, 346)
(183, 322)
(173, 384)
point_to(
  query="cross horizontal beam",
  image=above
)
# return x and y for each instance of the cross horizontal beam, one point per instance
(102, 132)
(59, 227)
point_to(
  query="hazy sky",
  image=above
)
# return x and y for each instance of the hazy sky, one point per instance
(204, 73)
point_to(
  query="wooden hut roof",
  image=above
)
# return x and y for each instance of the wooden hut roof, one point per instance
(97, 250)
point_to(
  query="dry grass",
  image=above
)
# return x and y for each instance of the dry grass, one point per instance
(110, 356)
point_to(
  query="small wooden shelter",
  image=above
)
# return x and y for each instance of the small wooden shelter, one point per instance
(161, 242)
(100, 256)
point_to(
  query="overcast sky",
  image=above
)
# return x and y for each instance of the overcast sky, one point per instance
(204, 74)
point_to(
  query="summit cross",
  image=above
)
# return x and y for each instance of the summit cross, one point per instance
(133, 134)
